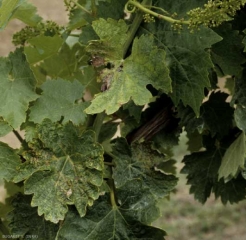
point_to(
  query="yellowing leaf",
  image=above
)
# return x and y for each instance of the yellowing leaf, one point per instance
(63, 166)
(145, 66)
(234, 158)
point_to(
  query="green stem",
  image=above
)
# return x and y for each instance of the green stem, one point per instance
(157, 15)
(112, 193)
(80, 6)
(98, 123)
(93, 7)
(134, 27)
(109, 164)
(3, 228)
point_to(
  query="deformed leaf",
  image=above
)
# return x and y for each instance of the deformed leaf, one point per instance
(17, 88)
(139, 163)
(9, 161)
(24, 220)
(64, 166)
(113, 36)
(145, 66)
(234, 158)
(60, 99)
(117, 222)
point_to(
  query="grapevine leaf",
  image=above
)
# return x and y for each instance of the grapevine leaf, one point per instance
(232, 191)
(41, 48)
(62, 167)
(239, 96)
(234, 158)
(107, 131)
(244, 41)
(9, 161)
(189, 120)
(103, 216)
(195, 141)
(227, 54)
(27, 13)
(188, 61)
(240, 116)
(24, 220)
(111, 9)
(202, 169)
(59, 100)
(4, 128)
(17, 88)
(89, 80)
(217, 114)
(87, 35)
(139, 163)
(145, 66)
(7, 9)
(76, 19)
(134, 110)
(113, 36)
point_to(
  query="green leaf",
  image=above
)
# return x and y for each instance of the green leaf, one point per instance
(234, 158)
(17, 88)
(138, 162)
(27, 13)
(186, 54)
(51, 57)
(9, 161)
(60, 99)
(240, 116)
(24, 220)
(107, 131)
(7, 9)
(145, 66)
(111, 9)
(244, 41)
(189, 120)
(239, 96)
(113, 36)
(4, 128)
(217, 114)
(87, 35)
(64, 166)
(202, 174)
(195, 141)
(42, 48)
(115, 220)
(227, 54)
(134, 110)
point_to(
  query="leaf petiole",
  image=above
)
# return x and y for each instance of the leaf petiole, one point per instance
(81, 7)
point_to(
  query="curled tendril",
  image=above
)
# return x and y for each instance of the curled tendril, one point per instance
(132, 8)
